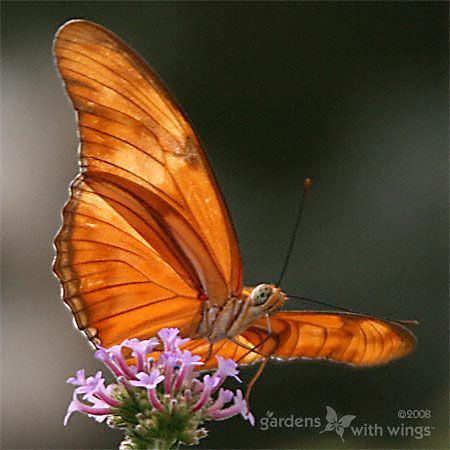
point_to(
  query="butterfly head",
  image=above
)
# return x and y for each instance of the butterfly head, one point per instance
(267, 297)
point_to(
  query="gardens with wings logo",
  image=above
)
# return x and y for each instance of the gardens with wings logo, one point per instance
(413, 424)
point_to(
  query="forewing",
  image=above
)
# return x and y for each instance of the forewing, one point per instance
(341, 337)
(134, 135)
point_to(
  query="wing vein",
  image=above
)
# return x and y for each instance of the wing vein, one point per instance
(120, 94)
(161, 97)
(153, 105)
(103, 319)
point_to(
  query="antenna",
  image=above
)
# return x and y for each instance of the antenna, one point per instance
(306, 187)
(318, 302)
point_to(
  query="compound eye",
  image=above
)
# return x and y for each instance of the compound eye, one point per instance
(261, 294)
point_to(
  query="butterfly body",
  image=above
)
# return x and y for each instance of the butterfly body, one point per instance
(147, 241)
(239, 313)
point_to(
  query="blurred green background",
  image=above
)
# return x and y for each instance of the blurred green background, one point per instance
(353, 95)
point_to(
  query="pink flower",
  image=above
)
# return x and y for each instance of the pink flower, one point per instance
(148, 381)
(227, 368)
(171, 340)
(88, 385)
(169, 387)
(239, 407)
(99, 413)
(141, 349)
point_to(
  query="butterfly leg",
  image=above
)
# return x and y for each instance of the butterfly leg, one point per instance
(260, 368)
(210, 350)
(263, 364)
(263, 341)
(205, 317)
(255, 379)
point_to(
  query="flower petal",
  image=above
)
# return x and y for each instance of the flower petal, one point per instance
(209, 384)
(148, 381)
(79, 379)
(99, 414)
(239, 407)
(225, 396)
(227, 368)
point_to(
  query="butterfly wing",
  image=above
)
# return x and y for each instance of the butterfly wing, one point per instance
(145, 230)
(120, 278)
(341, 337)
(133, 134)
(239, 350)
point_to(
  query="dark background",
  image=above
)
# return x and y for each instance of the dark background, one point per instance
(353, 95)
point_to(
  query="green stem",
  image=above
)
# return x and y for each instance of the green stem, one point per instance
(167, 444)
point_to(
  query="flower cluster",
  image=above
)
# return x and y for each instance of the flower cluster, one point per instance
(158, 403)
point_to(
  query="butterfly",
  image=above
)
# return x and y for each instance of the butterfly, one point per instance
(147, 241)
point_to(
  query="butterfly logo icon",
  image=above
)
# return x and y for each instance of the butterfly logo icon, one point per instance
(336, 423)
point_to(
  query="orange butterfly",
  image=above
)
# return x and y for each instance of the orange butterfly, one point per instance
(147, 241)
